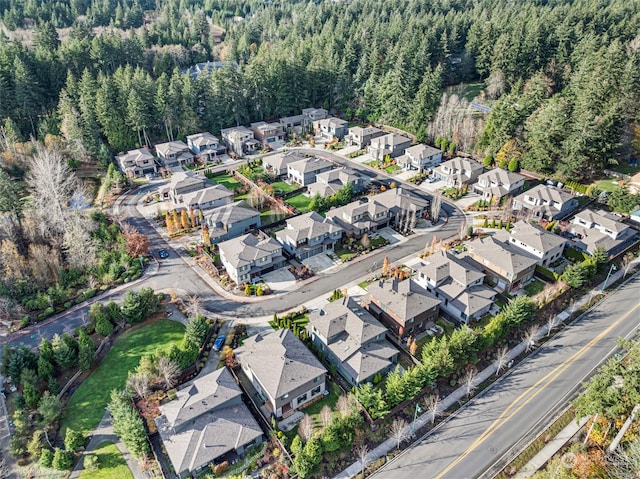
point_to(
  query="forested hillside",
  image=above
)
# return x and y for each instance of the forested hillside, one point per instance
(561, 76)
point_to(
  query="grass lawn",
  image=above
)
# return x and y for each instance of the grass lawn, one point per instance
(364, 284)
(372, 163)
(86, 406)
(241, 197)
(391, 169)
(226, 180)
(534, 287)
(283, 187)
(344, 254)
(379, 241)
(111, 464)
(472, 90)
(300, 202)
(446, 325)
(270, 216)
(610, 184)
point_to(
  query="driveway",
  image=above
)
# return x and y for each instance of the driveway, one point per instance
(319, 263)
(390, 235)
(279, 280)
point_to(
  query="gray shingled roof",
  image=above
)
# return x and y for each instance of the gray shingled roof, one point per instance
(535, 237)
(546, 194)
(602, 218)
(202, 139)
(280, 361)
(422, 151)
(390, 140)
(501, 177)
(396, 199)
(406, 299)
(172, 147)
(360, 131)
(442, 265)
(231, 214)
(205, 421)
(507, 257)
(205, 195)
(307, 165)
(247, 248)
(309, 225)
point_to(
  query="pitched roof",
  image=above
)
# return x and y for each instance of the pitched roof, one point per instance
(205, 421)
(203, 139)
(184, 179)
(246, 249)
(231, 213)
(546, 194)
(332, 121)
(342, 175)
(501, 177)
(236, 132)
(396, 199)
(535, 237)
(280, 361)
(172, 148)
(360, 131)
(405, 298)
(136, 156)
(206, 195)
(422, 151)
(308, 165)
(280, 161)
(462, 164)
(504, 255)
(443, 264)
(391, 140)
(309, 225)
(602, 218)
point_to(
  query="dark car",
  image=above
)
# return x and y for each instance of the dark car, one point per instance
(217, 346)
(163, 253)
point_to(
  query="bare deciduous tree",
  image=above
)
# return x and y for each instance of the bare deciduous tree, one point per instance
(398, 430)
(436, 204)
(326, 415)
(138, 383)
(193, 306)
(495, 85)
(551, 323)
(363, 453)
(168, 371)
(501, 358)
(305, 428)
(79, 246)
(344, 406)
(530, 336)
(433, 404)
(468, 379)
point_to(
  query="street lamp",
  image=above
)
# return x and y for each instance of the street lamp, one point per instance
(415, 416)
(141, 262)
(375, 266)
(604, 285)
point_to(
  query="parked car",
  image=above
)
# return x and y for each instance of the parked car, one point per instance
(163, 253)
(217, 345)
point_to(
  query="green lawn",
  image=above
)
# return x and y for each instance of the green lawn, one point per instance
(472, 90)
(226, 180)
(372, 163)
(610, 184)
(392, 169)
(300, 202)
(283, 187)
(111, 464)
(313, 410)
(87, 404)
(270, 216)
(344, 254)
(534, 287)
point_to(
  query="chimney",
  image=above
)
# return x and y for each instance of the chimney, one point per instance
(394, 284)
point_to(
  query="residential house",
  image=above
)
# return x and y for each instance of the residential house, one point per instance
(352, 340)
(457, 284)
(331, 181)
(240, 140)
(192, 191)
(311, 115)
(331, 128)
(360, 216)
(293, 123)
(544, 245)
(403, 205)
(458, 171)
(205, 145)
(277, 164)
(506, 266)
(231, 220)
(174, 153)
(420, 158)
(405, 307)
(250, 256)
(496, 183)
(305, 171)
(599, 229)
(207, 423)
(137, 163)
(308, 235)
(361, 137)
(546, 202)
(283, 371)
(389, 144)
(208, 67)
(268, 134)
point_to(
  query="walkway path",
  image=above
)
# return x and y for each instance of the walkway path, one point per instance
(460, 394)
(104, 433)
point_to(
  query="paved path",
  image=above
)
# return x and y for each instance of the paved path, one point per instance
(405, 465)
(103, 433)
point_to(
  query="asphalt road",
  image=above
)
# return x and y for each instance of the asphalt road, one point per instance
(482, 434)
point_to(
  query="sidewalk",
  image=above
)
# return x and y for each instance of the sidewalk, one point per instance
(459, 395)
(104, 433)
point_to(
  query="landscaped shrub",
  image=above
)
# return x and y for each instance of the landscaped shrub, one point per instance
(62, 460)
(46, 458)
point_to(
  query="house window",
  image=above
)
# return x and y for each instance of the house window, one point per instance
(316, 380)
(302, 398)
(285, 396)
(315, 391)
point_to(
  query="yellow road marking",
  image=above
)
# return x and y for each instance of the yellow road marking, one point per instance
(551, 376)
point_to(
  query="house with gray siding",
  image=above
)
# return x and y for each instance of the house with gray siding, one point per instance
(137, 163)
(192, 191)
(231, 220)
(352, 340)
(361, 137)
(269, 135)
(205, 145)
(420, 158)
(278, 164)
(174, 153)
(249, 256)
(546, 202)
(390, 144)
(304, 172)
(531, 239)
(240, 140)
(360, 216)
(207, 423)
(497, 183)
(458, 171)
(331, 128)
(329, 182)
(283, 371)
(308, 235)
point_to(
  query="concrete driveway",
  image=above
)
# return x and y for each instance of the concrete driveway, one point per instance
(390, 235)
(319, 263)
(279, 280)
